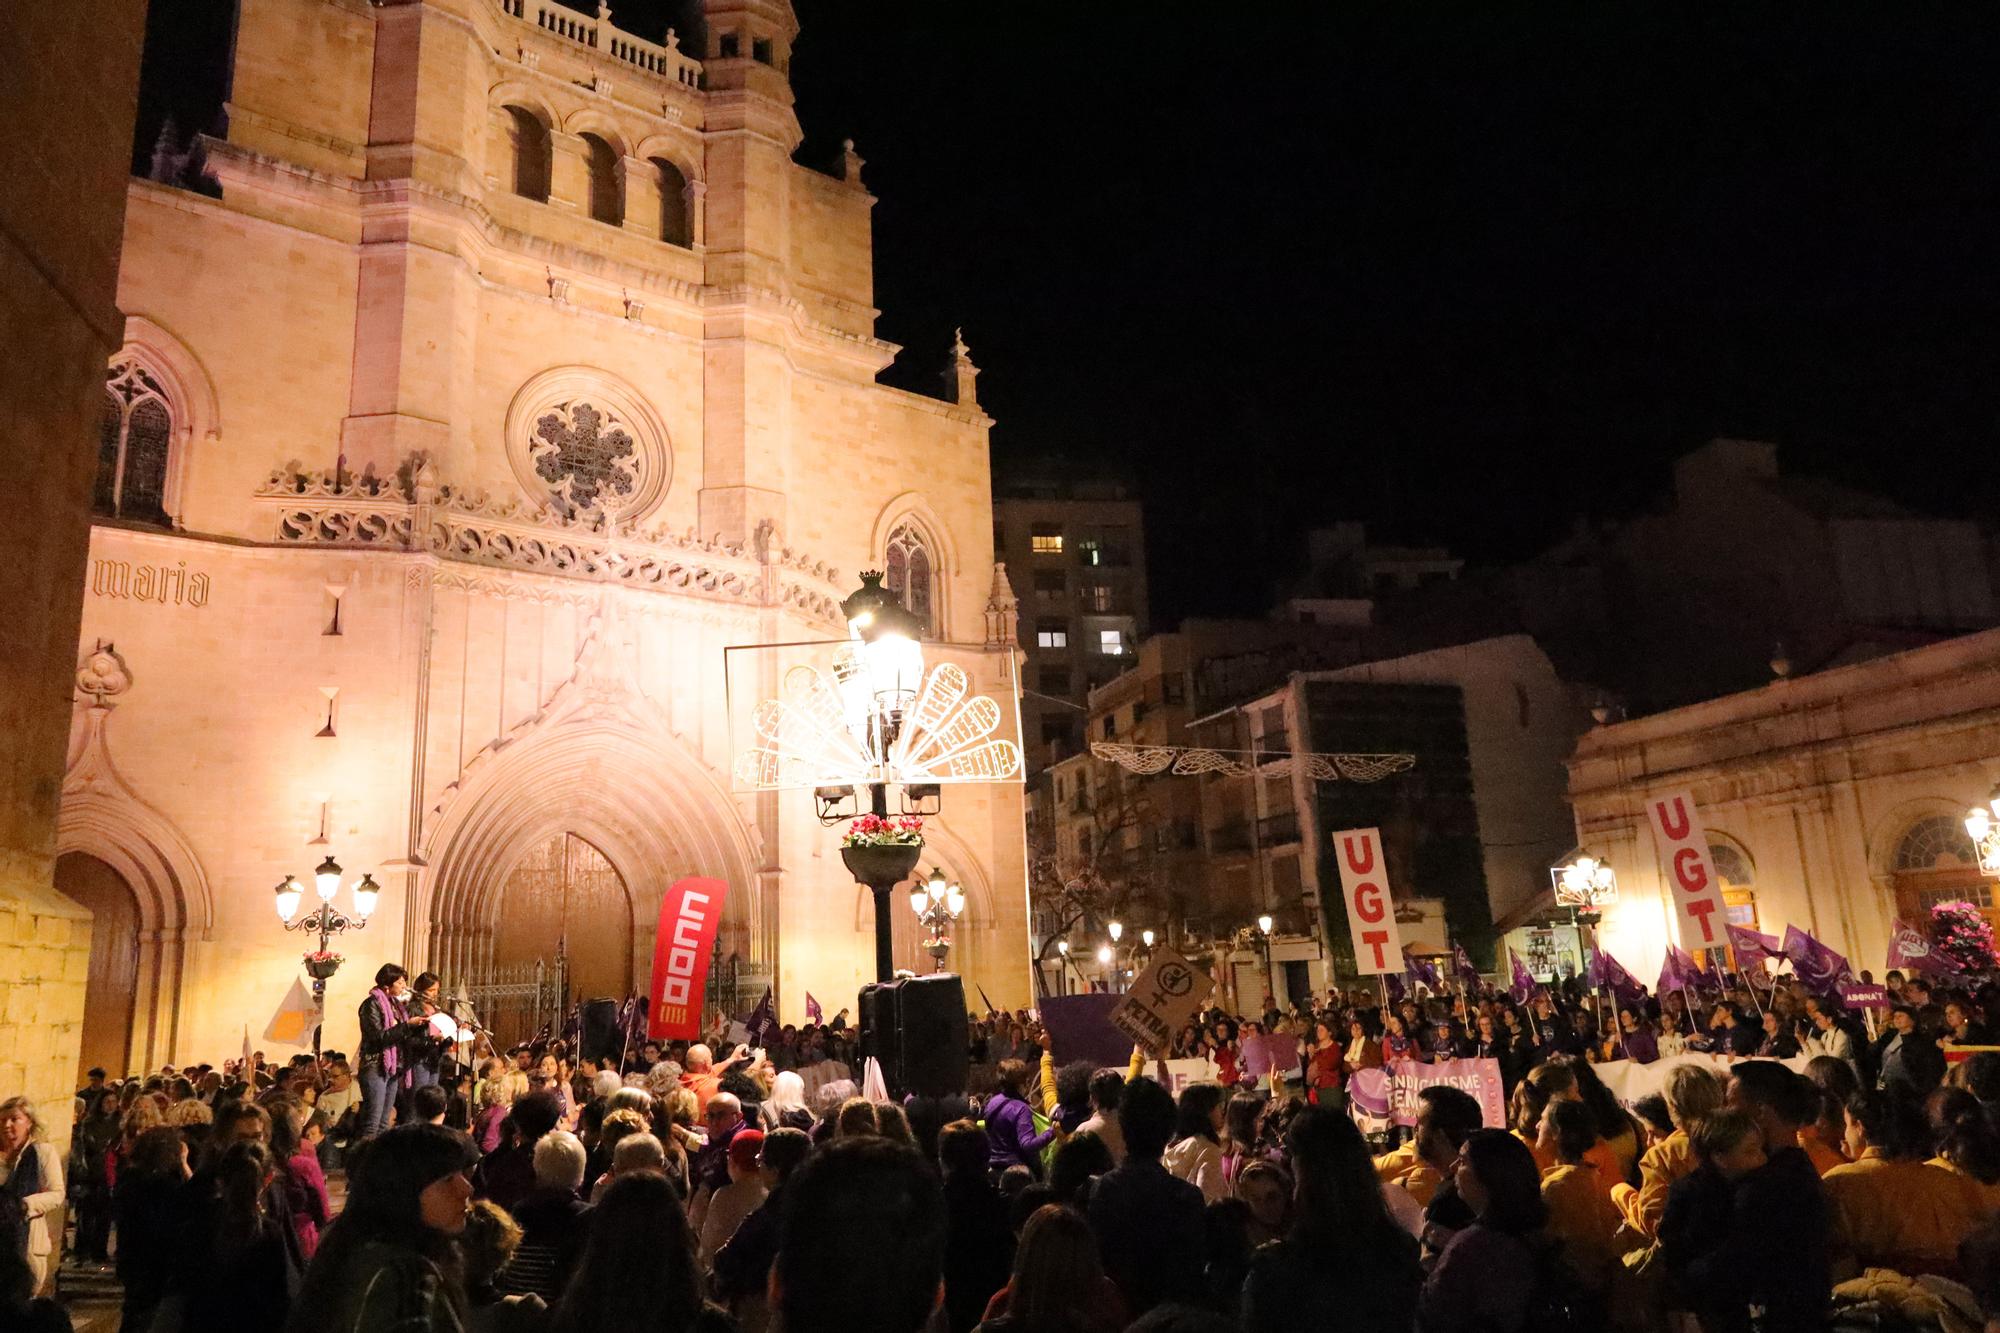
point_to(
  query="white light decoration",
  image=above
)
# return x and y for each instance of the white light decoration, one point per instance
(1193, 760)
(828, 728)
(288, 896)
(326, 879)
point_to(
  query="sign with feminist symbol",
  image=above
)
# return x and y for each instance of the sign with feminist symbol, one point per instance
(1371, 916)
(1697, 893)
(1166, 995)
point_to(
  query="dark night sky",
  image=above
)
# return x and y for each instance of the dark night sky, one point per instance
(1463, 271)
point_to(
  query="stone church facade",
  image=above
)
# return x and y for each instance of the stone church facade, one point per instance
(515, 373)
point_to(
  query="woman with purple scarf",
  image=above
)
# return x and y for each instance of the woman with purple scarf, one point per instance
(385, 1061)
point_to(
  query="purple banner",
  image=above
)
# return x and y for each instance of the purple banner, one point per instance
(1079, 1028)
(1910, 951)
(1865, 997)
(1402, 1081)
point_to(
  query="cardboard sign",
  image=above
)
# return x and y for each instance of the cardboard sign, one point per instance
(1166, 995)
(1180, 1073)
(1865, 997)
(1371, 916)
(1697, 893)
(1392, 1091)
(689, 915)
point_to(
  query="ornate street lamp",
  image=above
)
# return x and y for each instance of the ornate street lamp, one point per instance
(888, 667)
(326, 922)
(1586, 885)
(1264, 924)
(937, 904)
(1985, 833)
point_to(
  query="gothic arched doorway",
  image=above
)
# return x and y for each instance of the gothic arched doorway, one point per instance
(565, 900)
(114, 960)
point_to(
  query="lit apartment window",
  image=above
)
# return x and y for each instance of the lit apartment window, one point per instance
(1111, 642)
(1098, 597)
(1047, 538)
(1089, 552)
(1052, 638)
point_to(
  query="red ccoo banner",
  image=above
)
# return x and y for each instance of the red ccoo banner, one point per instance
(689, 915)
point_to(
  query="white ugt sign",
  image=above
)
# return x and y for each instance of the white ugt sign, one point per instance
(1371, 917)
(1691, 877)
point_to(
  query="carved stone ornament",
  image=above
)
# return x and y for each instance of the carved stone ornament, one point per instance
(102, 675)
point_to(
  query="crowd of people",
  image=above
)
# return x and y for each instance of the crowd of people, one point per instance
(714, 1185)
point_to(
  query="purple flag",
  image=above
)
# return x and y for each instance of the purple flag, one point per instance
(1461, 962)
(763, 1020)
(1753, 948)
(1910, 951)
(1678, 972)
(814, 1014)
(1816, 964)
(1524, 980)
(1609, 973)
(1421, 970)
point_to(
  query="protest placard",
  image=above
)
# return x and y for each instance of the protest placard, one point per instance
(1683, 845)
(1165, 996)
(1856, 996)
(1371, 917)
(1392, 1090)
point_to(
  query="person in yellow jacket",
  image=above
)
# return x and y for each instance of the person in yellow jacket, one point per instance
(1693, 1092)
(1891, 1208)
(1581, 1213)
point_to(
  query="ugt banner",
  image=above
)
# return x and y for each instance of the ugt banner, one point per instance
(1392, 1091)
(1697, 893)
(689, 915)
(1371, 917)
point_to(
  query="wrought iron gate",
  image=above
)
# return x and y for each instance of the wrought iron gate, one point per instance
(517, 1000)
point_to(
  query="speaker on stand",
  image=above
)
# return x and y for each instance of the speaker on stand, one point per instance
(917, 1028)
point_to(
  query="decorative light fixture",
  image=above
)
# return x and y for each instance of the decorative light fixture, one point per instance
(937, 905)
(325, 922)
(1985, 834)
(1146, 937)
(1117, 929)
(1264, 923)
(1585, 883)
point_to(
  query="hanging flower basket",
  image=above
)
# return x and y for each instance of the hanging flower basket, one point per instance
(884, 863)
(320, 966)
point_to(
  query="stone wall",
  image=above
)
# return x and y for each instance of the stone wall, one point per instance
(72, 92)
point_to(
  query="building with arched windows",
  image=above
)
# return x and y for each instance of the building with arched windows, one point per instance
(1834, 801)
(506, 369)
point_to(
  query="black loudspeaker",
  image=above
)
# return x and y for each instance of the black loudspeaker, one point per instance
(916, 1026)
(600, 1040)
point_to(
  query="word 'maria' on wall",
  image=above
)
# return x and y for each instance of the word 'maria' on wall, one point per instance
(169, 585)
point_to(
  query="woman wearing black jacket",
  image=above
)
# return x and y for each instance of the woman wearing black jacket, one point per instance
(148, 1206)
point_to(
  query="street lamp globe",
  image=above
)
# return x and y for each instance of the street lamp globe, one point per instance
(1117, 929)
(288, 895)
(326, 879)
(954, 900)
(892, 659)
(920, 901)
(365, 895)
(1264, 923)
(1062, 947)
(1146, 938)
(1104, 954)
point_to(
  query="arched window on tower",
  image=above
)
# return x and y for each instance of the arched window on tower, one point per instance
(607, 191)
(676, 227)
(528, 150)
(910, 572)
(134, 442)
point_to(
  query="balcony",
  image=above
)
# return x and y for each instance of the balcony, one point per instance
(1278, 830)
(1230, 837)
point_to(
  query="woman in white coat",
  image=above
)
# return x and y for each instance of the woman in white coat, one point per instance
(1196, 1153)
(31, 1180)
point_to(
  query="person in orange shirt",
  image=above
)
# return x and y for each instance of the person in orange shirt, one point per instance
(1581, 1213)
(1967, 1143)
(1693, 1092)
(1891, 1208)
(1825, 1137)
